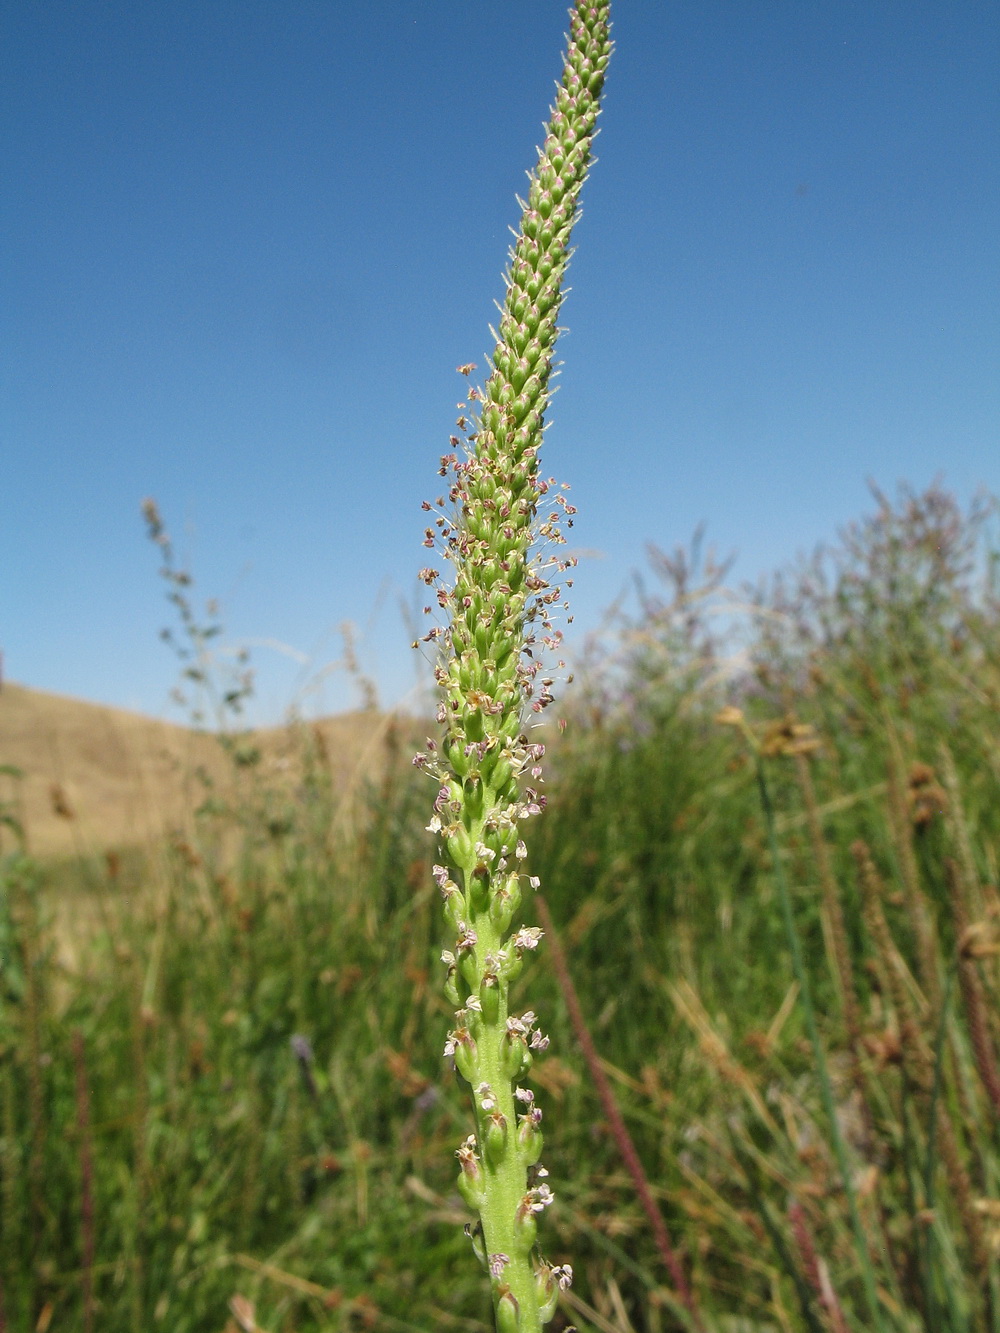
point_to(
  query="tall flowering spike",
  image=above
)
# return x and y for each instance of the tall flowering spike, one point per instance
(502, 542)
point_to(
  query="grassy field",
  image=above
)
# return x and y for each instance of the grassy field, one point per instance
(770, 852)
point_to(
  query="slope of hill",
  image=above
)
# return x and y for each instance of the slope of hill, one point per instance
(96, 777)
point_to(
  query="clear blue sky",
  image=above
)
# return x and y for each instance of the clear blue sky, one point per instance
(247, 243)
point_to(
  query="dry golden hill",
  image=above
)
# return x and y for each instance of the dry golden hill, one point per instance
(98, 777)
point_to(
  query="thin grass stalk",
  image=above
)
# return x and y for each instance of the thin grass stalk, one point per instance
(10, 1222)
(976, 901)
(819, 1054)
(969, 946)
(31, 937)
(8, 1173)
(948, 1318)
(919, 1062)
(815, 1272)
(971, 987)
(690, 1007)
(140, 1158)
(959, 830)
(500, 604)
(765, 1212)
(291, 1135)
(916, 900)
(831, 901)
(892, 968)
(87, 1236)
(936, 1090)
(619, 1129)
(991, 911)
(911, 1149)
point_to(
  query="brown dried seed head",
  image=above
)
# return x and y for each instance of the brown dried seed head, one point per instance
(789, 737)
(925, 797)
(920, 775)
(60, 802)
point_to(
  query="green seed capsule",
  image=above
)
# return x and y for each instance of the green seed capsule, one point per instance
(466, 1061)
(515, 1058)
(489, 998)
(496, 1139)
(471, 1191)
(548, 1296)
(526, 1229)
(459, 846)
(508, 1314)
(475, 1234)
(455, 910)
(501, 909)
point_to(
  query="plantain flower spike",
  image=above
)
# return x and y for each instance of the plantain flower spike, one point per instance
(500, 527)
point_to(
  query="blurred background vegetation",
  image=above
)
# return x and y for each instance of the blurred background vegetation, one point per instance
(222, 1099)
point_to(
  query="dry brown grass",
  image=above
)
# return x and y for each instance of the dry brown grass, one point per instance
(97, 778)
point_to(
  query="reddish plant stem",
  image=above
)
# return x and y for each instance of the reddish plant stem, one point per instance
(814, 1274)
(619, 1129)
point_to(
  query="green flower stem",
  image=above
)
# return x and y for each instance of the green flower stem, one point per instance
(500, 608)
